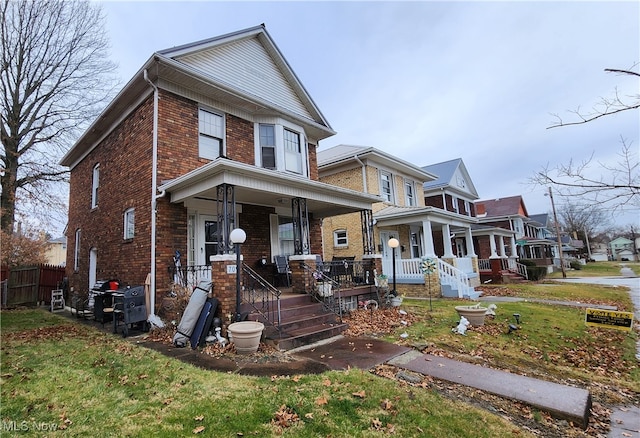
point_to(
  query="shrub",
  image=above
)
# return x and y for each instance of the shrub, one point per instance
(527, 262)
(536, 273)
(575, 265)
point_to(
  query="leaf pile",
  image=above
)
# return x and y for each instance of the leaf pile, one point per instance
(366, 322)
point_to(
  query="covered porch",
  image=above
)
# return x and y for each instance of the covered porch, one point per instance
(432, 234)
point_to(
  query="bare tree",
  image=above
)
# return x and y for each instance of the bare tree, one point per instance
(582, 221)
(617, 186)
(55, 77)
(606, 106)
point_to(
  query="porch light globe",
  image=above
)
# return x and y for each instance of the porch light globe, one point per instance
(237, 235)
(393, 242)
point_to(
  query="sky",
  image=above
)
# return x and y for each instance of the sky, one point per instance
(433, 81)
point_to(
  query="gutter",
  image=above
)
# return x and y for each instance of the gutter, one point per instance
(154, 197)
(364, 174)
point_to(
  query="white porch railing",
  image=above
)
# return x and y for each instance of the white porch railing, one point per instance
(409, 270)
(484, 264)
(454, 277)
(512, 265)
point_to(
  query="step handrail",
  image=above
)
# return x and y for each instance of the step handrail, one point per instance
(330, 303)
(265, 298)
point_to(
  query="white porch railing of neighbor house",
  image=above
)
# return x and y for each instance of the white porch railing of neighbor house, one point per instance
(408, 270)
(454, 277)
(484, 264)
(512, 265)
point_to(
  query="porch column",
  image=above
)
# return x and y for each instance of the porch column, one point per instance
(301, 281)
(492, 245)
(223, 276)
(514, 248)
(446, 241)
(300, 217)
(366, 221)
(501, 242)
(471, 252)
(427, 237)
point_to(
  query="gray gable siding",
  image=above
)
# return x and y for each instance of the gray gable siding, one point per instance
(246, 65)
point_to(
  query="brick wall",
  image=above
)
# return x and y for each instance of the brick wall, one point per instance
(125, 182)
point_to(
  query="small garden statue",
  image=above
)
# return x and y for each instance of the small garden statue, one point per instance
(462, 326)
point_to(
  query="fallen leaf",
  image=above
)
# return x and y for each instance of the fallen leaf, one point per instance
(326, 382)
(359, 394)
(321, 401)
(198, 429)
(199, 418)
(309, 415)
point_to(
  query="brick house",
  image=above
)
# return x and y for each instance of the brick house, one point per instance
(421, 207)
(204, 138)
(515, 234)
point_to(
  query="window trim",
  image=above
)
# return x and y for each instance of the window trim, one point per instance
(410, 200)
(201, 134)
(273, 146)
(129, 228)
(390, 196)
(281, 154)
(337, 238)
(76, 251)
(95, 185)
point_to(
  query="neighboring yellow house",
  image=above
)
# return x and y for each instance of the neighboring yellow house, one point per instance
(57, 251)
(422, 231)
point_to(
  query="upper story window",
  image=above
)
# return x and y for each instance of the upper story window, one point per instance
(292, 151)
(467, 208)
(386, 188)
(454, 203)
(281, 146)
(129, 223)
(268, 146)
(340, 238)
(94, 185)
(409, 192)
(211, 128)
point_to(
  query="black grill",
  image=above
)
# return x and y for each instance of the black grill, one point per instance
(101, 294)
(130, 303)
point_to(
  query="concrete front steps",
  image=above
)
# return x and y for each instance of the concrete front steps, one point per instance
(303, 321)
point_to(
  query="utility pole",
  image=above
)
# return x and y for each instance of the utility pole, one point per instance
(555, 219)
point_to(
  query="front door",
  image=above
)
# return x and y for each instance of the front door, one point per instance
(207, 239)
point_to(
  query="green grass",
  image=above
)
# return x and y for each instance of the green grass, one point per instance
(552, 342)
(598, 269)
(60, 372)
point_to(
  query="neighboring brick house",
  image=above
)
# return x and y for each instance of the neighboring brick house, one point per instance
(423, 230)
(206, 137)
(527, 236)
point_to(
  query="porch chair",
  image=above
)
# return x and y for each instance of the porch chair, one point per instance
(282, 269)
(57, 300)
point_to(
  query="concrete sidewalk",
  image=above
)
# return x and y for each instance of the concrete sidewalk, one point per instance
(561, 401)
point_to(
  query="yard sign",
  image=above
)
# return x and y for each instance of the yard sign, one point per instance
(609, 319)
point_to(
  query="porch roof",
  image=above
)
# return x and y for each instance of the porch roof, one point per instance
(396, 215)
(257, 186)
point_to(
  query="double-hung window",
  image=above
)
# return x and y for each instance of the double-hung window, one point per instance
(292, 151)
(386, 189)
(95, 183)
(211, 128)
(129, 223)
(268, 146)
(410, 197)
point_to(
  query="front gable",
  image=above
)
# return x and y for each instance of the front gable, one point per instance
(250, 63)
(452, 176)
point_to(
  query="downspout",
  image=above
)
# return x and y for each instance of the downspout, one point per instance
(154, 196)
(364, 174)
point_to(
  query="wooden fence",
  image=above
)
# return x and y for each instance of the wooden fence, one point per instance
(30, 285)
